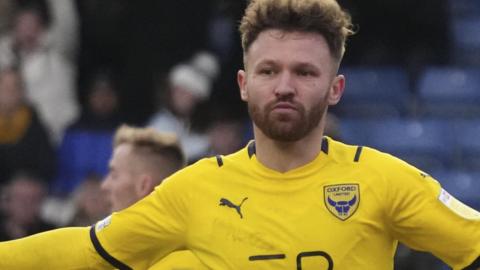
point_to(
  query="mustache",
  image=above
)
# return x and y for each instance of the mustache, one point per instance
(284, 101)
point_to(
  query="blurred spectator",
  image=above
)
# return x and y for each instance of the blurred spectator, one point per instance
(24, 143)
(188, 85)
(102, 109)
(222, 35)
(225, 136)
(137, 38)
(22, 200)
(87, 143)
(45, 55)
(91, 204)
(224, 41)
(226, 131)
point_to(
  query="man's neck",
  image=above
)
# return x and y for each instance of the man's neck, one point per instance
(285, 156)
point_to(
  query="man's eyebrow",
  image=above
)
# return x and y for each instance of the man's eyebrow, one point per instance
(266, 62)
(305, 65)
(297, 64)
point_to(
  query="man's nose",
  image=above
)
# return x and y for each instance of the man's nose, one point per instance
(285, 85)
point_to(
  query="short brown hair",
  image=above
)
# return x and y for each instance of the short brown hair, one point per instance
(152, 142)
(320, 16)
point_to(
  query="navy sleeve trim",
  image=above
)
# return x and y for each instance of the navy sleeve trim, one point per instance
(358, 153)
(219, 160)
(104, 254)
(325, 145)
(474, 266)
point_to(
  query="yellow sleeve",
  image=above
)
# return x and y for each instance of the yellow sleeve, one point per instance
(62, 249)
(426, 218)
(134, 238)
(142, 234)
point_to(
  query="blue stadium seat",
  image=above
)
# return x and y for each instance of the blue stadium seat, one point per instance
(449, 92)
(427, 144)
(463, 185)
(466, 40)
(375, 92)
(80, 154)
(467, 135)
(357, 131)
(463, 8)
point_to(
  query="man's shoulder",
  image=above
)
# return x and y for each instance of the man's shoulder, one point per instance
(364, 156)
(209, 166)
(223, 161)
(377, 167)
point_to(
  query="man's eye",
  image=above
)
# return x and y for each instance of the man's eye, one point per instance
(267, 71)
(305, 73)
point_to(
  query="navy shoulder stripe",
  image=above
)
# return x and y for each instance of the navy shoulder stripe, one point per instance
(474, 266)
(357, 154)
(251, 149)
(219, 160)
(104, 254)
(325, 145)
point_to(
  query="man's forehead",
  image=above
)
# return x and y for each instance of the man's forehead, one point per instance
(277, 35)
(278, 45)
(282, 34)
(122, 153)
(123, 148)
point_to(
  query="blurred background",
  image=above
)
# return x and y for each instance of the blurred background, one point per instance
(72, 71)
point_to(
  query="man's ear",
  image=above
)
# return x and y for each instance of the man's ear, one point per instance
(336, 90)
(242, 80)
(145, 185)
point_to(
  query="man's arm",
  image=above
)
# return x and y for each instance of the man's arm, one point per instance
(426, 218)
(133, 238)
(63, 31)
(66, 249)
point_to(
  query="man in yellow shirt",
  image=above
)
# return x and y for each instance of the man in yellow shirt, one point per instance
(141, 159)
(291, 199)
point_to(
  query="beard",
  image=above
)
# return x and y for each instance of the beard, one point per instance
(287, 127)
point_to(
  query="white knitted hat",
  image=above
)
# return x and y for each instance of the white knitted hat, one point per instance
(192, 80)
(207, 63)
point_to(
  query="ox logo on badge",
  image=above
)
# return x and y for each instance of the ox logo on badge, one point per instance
(342, 200)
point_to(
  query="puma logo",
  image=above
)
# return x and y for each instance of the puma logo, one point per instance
(228, 203)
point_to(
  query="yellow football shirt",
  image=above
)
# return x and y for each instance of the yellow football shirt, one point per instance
(179, 260)
(347, 209)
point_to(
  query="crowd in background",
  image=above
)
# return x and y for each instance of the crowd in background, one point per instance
(72, 71)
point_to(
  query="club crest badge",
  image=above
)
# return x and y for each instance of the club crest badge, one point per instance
(342, 200)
